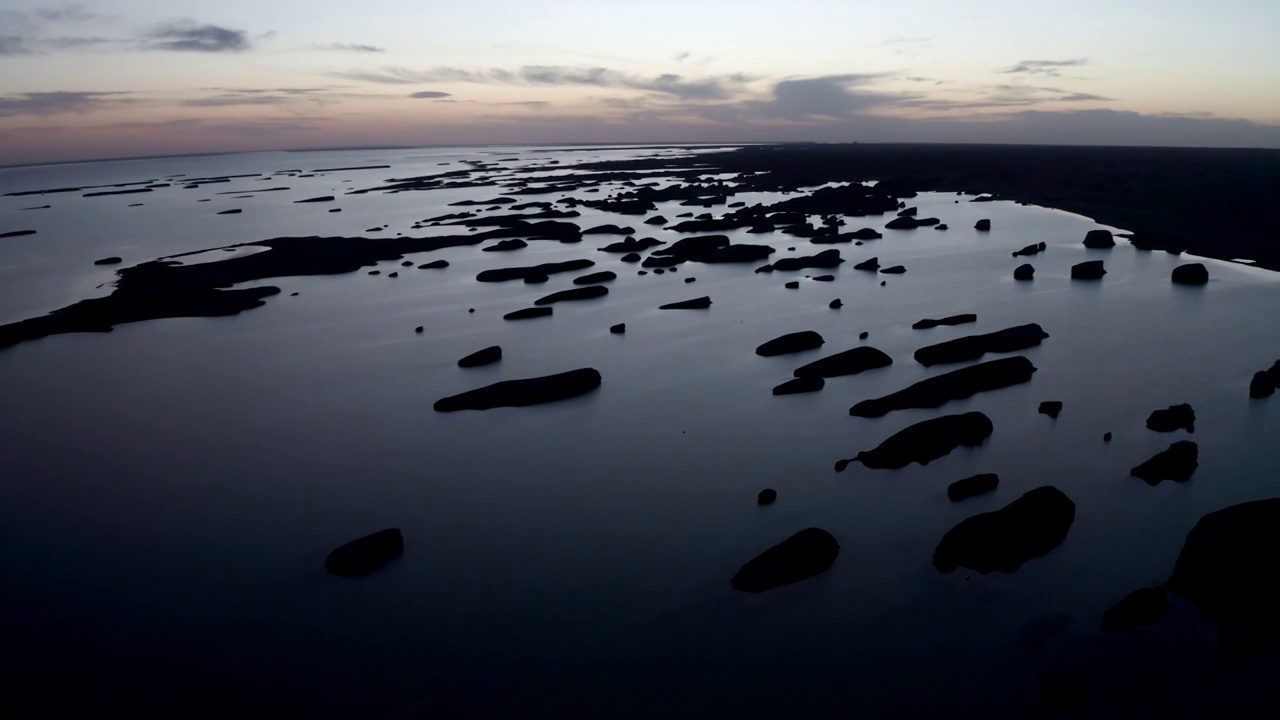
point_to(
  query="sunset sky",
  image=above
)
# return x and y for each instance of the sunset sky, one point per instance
(121, 78)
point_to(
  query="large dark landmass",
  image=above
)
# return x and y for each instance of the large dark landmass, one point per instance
(1002, 541)
(849, 362)
(521, 393)
(925, 442)
(1202, 200)
(955, 385)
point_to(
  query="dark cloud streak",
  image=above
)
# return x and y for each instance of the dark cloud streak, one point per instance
(187, 36)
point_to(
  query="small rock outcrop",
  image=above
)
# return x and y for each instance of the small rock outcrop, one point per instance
(701, 303)
(487, 356)
(1004, 540)
(929, 324)
(525, 392)
(596, 278)
(1052, 408)
(108, 261)
(971, 486)
(619, 329)
(1090, 270)
(1030, 250)
(870, 265)
(520, 273)
(799, 557)
(586, 292)
(1177, 463)
(973, 347)
(1024, 272)
(366, 554)
(1192, 274)
(800, 385)
(1261, 385)
(791, 343)
(1099, 240)
(767, 496)
(938, 390)
(528, 313)
(925, 442)
(1172, 419)
(983, 225)
(849, 362)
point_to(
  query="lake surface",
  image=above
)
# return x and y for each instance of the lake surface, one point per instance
(169, 490)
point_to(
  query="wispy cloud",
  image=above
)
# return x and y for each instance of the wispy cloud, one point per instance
(13, 45)
(430, 95)
(189, 36)
(347, 47)
(44, 104)
(720, 87)
(1051, 68)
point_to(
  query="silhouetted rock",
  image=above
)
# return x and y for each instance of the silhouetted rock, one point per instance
(520, 273)
(983, 225)
(1024, 272)
(235, 211)
(956, 385)
(487, 356)
(527, 313)
(619, 329)
(1176, 464)
(941, 226)
(1099, 240)
(1139, 608)
(909, 212)
(701, 303)
(791, 343)
(608, 230)
(1228, 569)
(872, 265)
(506, 245)
(864, 335)
(973, 347)
(1002, 541)
(434, 265)
(792, 285)
(322, 199)
(631, 258)
(1261, 386)
(800, 385)
(925, 442)
(393, 275)
(836, 304)
(1090, 270)
(363, 556)
(1193, 274)
(113, 260)
(1052, 408)
(631, 245)
(928, 324)
(587, 292)
(17, 233)
(799, 557)
(1030, 250)
(521, 393)
(971, 486)
(1173, 418)
(1062, 693)
(535, 279)
(767, 496)
(825, 259)
(656, 220)
(895, 270)
(849, 362)
(865, 234)
(1106, 437)
(594, 278)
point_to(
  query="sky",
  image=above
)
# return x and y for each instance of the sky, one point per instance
(124, 78)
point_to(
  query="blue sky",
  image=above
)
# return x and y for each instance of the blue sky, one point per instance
(135, 77)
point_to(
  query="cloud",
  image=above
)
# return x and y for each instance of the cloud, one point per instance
(430, 95)
(1052, 68)
(682, 56)
(232, 99)
(187, 36)
(531, 104)
(13, 45)
(347, 47)
(720, 87)
(44, 104)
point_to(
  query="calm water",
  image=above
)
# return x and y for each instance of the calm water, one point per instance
(169, 491)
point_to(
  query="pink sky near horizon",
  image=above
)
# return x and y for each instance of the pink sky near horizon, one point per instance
(120, 78)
